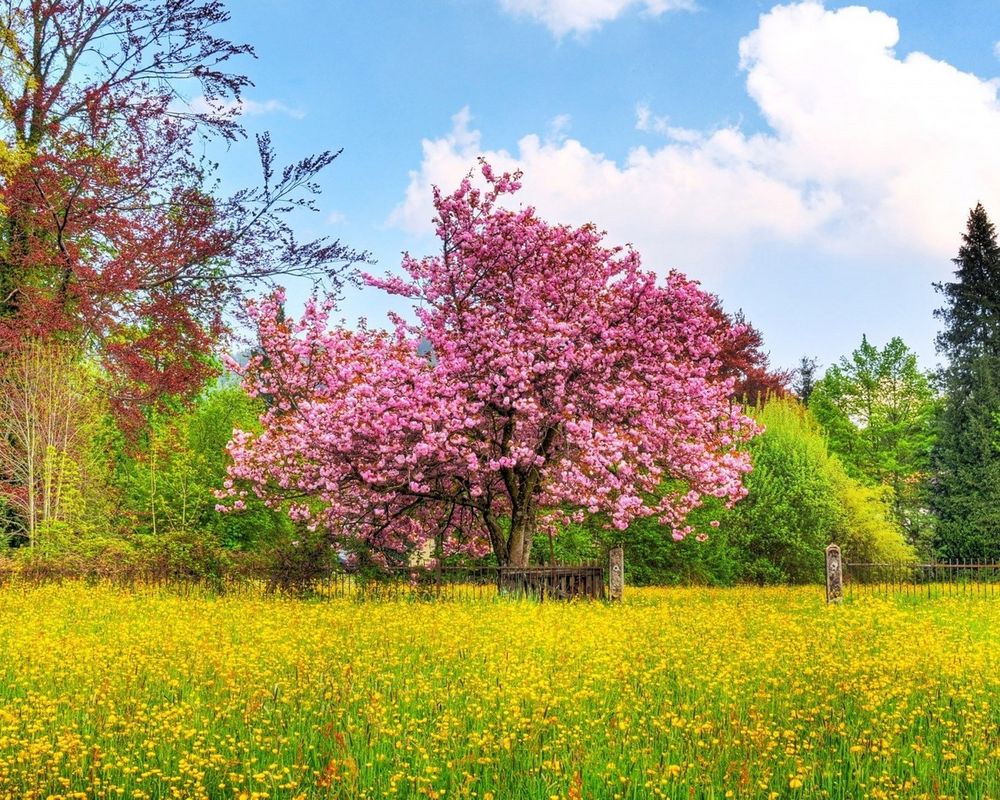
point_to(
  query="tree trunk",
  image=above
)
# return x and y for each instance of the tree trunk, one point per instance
(522, 532)
(512, 546)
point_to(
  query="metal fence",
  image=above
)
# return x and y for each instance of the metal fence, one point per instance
(971, 578)
(561, 582)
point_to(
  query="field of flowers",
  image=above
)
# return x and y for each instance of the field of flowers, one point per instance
(678, 693)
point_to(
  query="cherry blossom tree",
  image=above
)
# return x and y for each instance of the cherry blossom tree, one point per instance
(546, 377)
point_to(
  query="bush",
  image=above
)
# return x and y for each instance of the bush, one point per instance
(800, 499)
(868, 530)
(792, 506)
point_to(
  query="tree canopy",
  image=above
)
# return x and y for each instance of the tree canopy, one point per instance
(111, 233)
(877, 409)
(799, 499)
(562, 380)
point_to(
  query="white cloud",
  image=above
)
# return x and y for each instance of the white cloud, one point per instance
(674, 202)
(558, 126)
(908, 143)
(648, 122)
(867, 154)
(254, 108)
(335, 218)
(581, 16)
(237, 108)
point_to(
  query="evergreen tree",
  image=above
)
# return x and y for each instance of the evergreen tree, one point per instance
(966, 458)
(805, 379)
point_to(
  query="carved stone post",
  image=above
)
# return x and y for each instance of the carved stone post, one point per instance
(616, 574)
(834, 575)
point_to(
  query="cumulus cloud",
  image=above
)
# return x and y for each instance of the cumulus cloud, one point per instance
(906, 142)
(581, 16)
(674, 202)
(648, 122)
(866, 153)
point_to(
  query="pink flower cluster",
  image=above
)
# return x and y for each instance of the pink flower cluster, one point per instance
(548, 377)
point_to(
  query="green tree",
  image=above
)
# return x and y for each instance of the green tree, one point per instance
(800, 498)
(966, 459)
(652, 557)
(52, 478)
(877, 410)
(790, 512)
(170, 481)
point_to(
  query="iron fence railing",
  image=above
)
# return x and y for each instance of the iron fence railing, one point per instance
(980, 578)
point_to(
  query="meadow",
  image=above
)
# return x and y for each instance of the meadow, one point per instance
(108, 693)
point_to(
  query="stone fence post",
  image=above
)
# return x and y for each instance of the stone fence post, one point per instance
(834, 575)
(616, 574)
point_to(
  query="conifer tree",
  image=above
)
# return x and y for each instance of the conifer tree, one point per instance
(966, 458)
(805, 379)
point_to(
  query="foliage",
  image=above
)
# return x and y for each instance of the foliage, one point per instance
(709, 558)
(805, 379)
(548, 378)
(94, 558)
(799, 500)
(877, 409)
(652, 556)
(791, 511)
(297, 558)
(110, 234)
(171, 556)
(966, 460)
(148, 502)
(867, 531)
(51, 409)
(170, 480)
(742, 358)
(677, 693)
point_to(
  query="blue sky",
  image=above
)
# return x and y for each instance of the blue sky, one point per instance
(813, 164)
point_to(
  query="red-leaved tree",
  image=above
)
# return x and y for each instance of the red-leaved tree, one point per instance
(110, 234)
(742, 358)
(547, 378)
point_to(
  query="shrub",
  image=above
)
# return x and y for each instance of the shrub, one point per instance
(800, 499)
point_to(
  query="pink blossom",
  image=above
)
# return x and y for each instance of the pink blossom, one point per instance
(546, 377)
